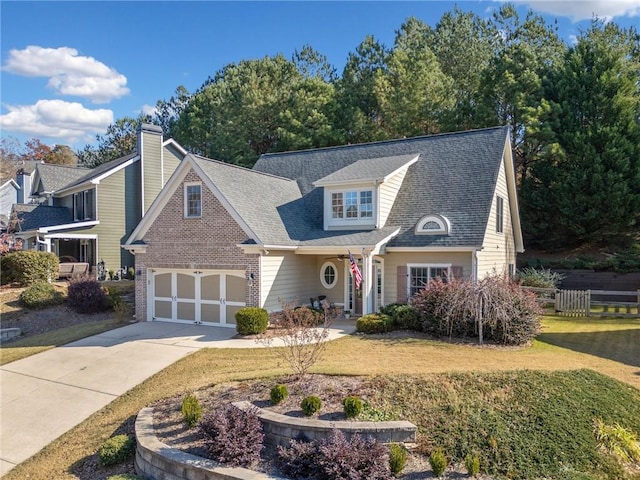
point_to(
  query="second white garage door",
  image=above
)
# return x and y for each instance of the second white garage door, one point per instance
(204, 297)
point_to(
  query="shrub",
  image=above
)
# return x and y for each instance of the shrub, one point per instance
(299, 460)
(41, 295)
(131, 273)
(438, 462)
(85, 295)
(542, 278)
(117, 450)
(251, 320)
(191, 410)
(495, 309)
(125, 476)
(28, 267)
(397, 458)
(304, 341)
(374, 323)
(278, 393)
(233, 436)
(406, 318)
(118, 305)
(354, 459)
(311, 405)
(352, 406)
(472, 464)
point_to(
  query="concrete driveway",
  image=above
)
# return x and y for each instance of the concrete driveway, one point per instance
(45, 395)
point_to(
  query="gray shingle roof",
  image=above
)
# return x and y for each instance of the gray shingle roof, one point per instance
(267, 203)
(55, 177)
(455, 176)
(35, 216)
(368, 169)
(92, 173)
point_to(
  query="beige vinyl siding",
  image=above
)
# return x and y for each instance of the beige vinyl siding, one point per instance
(335, 294)
(170, 161)
(498, 248)
(287, 276)
(388, 192)
(393, 260)
(118, 209)
(152, 168)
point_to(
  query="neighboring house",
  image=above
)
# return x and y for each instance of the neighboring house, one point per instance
(23, 177)
(88, 213)
(9, 191)
(219, 237)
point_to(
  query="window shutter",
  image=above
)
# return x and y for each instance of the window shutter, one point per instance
(456, 272)
(401, 293)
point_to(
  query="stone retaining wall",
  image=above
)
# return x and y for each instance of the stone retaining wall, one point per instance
(158, 461)
(281, 429)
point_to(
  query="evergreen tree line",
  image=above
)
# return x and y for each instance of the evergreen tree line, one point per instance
(574, 111)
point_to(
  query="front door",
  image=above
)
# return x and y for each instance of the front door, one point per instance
(354, 295)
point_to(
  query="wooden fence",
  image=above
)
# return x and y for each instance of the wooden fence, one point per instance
(588, 303)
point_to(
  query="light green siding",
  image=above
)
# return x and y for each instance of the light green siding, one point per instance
(498, 248)
(171, 158)
(118, 212)
(151, 167)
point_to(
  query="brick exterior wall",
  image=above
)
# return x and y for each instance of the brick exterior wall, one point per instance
(205, 243)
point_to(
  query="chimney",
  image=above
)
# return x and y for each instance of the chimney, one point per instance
(151, 163)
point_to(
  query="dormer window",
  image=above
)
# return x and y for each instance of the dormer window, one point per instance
(433, 225)
(352, 205)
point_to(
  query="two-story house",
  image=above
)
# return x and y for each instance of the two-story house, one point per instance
(86, 214)
(219, 237)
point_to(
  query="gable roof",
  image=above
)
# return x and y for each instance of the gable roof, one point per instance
(33, 216)
(455, 176)
(49, 178)
(93, 173)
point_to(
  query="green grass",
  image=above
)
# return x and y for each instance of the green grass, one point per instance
(464, 393)
(525, 424)
(26, 347)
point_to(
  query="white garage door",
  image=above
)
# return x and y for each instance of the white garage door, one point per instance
(203, 297)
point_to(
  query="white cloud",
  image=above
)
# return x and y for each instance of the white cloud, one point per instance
(578, 10)
(69, 73)
(148, 109)
(56, 119)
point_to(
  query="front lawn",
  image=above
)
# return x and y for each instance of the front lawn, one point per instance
(575, 395)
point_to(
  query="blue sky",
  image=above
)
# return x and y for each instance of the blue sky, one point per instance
(69, 69)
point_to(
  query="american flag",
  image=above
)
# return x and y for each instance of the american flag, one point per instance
(355, 270)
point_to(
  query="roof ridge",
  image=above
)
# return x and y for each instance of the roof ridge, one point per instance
(380, 142)
(240, 167)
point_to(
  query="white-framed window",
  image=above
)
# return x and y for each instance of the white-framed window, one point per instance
(83, 206)
(499, 214)
(193, 200)
(433, 225)
(350, 207)
(421, 274)
(328, 275)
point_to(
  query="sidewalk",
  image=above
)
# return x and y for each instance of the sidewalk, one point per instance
(45, 395)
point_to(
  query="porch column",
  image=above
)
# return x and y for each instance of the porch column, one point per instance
(367, 283)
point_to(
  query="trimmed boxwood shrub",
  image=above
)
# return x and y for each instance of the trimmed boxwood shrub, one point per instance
(27, 267)
(85, 295)
(251, 320)
(191, 410)
(117, 450)
(311, 405)
(278, 393)
(403, 316)
(374, 323)
(41, 295)
(352, 406)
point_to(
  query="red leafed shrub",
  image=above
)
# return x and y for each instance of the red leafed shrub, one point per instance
(233, 436)
(85, 295)
(494, 309)
(336, 458)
